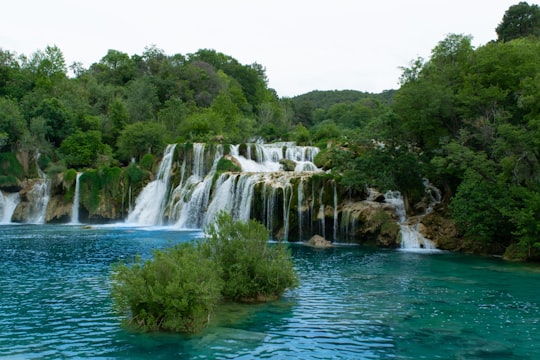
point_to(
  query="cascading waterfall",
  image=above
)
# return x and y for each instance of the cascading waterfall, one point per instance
(8, 204)
(39, 198)
(335, 211)
(201, 193)
(300, 196)
(190, 201)
(287, 198)
(411, 239)
(75, 207)
(151, 202)
(321, 213)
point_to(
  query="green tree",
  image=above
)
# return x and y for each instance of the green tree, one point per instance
(115, 68)
(47, 67)
(526, 218)
(138, 139)
(57, 120)
(173, 113)
(142, 100)
(12, 124)
(480, 207)
(519, 20)
(428, 101)
(82, 149)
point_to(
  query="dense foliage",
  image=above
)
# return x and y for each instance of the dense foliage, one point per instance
(251, 269)
(175, 291)
(181, 286)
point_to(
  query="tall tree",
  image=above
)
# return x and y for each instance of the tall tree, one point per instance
(519, 20)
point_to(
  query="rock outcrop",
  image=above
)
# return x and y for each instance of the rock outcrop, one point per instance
(318, 242)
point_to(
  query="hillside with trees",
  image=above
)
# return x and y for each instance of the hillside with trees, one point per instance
(466, 118)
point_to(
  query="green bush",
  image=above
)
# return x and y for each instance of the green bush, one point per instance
(179, 288)
(176, 291)
(147, 162)
(10, 166)
(252, 270)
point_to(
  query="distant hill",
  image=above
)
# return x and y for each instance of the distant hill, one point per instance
(318, 99)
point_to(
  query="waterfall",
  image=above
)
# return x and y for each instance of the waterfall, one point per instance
(39, 198)
(202, 192)
(75, 207)
(151, 202)
(287, 198)
(335, 211)
(190, 201)
(321, 212)
(268, 157)
(234, 194)
(8, 203)
(195, 202)
(411, 239)
(300, 196)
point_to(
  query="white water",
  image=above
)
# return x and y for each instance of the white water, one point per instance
(199, 196)
(300, 209)
(75, 206)
(411, 238)
(335, 211)
(151, 202)
(190, 201)
(8, 204)
(39, 198)
(198, 201)
(268, 156)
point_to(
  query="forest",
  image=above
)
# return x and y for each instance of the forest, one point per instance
(466, 118)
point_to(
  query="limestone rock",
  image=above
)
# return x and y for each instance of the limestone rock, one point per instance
(441, 230)
(318, 242)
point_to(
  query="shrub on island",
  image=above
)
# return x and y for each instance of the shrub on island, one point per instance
(179, 288)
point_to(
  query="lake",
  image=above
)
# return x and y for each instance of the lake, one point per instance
(353, 303)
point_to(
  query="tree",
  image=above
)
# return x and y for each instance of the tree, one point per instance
(173, 113)
(140, 138)
(480, 207)
(12, 124)
(82, 149)
(115, 68)
(142, 100)
(519, 20)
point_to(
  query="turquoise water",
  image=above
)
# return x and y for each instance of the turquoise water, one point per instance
(353, 303)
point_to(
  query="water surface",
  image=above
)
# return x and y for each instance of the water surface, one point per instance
(353, 303)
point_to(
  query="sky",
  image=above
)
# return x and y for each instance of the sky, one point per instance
(304, 45)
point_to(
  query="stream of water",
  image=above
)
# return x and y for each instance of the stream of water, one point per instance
(353, 303)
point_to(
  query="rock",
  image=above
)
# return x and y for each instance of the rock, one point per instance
(288, 165)
(318, 242)
(442, 230)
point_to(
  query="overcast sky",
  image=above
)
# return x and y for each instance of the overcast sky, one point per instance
(303, 44)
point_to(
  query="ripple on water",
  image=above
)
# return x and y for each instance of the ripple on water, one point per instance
(353, 303)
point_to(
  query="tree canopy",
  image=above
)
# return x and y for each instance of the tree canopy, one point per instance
(519, 20)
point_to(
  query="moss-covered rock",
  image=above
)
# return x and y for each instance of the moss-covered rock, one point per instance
(227, 163)
(288, 165)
